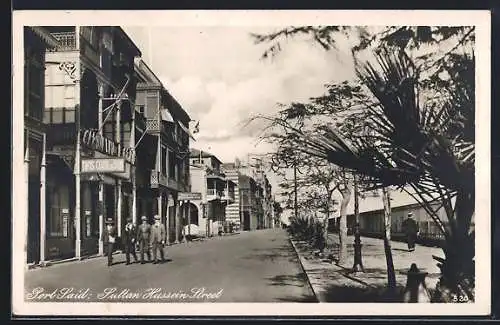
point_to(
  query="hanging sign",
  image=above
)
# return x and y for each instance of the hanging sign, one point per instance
(103, 165)
(187, 196)
(93, 140)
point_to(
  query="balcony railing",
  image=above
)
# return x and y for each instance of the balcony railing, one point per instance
(158, 179)
(214, 194)
(228, 195)
(67, 41)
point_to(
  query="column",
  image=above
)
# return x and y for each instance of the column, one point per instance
(134, 202)
(189, 216)
(43, 191)
(26, 188)
(101, 216)
(159, 200)
(119, 181)
(77, 219)
(119, 197)
(167, 219)
(134, 189)
(177, 220)
(101, 184)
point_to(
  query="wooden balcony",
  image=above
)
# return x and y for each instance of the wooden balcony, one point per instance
(158, 179)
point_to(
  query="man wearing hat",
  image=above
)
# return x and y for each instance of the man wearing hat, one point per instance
(158, 239)
(143, 238)
(411, 229)
(129, 237)
(109, 239)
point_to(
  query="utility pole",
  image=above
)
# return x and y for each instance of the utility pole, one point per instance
(358, 263)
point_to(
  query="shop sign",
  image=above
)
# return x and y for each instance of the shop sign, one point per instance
(188, 196)
(93, 140)
(103, 165)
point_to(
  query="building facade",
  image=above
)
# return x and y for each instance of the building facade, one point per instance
(167, 127)
(217, 192)
(89, 113)
(233, 209)
(36, 41)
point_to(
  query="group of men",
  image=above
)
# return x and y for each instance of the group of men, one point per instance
(146, 236)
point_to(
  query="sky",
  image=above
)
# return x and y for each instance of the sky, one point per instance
(218, 76)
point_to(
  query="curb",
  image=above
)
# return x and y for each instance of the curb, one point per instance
(316, 294)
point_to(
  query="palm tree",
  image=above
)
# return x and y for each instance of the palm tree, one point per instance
(421, 135)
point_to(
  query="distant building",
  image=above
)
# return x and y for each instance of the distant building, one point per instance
(233, 209)
(217, 192)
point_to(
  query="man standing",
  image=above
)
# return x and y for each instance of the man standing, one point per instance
(109, 238)
(411, 229)
(143, 238)
(158, 239)
(129, 237)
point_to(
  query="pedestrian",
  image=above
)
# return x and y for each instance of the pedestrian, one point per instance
(143, 238)
(411, 229)
(109, 239)
(158, 239)
(129, 238)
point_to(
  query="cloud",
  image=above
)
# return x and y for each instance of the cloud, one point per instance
(217, 75)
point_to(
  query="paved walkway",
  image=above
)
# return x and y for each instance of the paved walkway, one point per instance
(257, 266)
(333, 283)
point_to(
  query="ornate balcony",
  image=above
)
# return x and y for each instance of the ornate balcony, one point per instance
(158, 179)
(153, 126)
(67, 41)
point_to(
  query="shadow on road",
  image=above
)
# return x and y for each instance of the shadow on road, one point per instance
(298, 280)
(303, 298)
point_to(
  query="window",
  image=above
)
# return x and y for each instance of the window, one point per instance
(125, 134)
(151, 104)
(164, 159)
(172, 165)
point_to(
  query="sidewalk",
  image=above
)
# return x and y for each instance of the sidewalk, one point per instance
(333, 283)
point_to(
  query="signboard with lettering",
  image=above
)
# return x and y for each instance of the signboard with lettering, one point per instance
(187, 196)
(103, 165)
(93, 140)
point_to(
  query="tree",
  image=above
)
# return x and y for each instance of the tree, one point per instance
(278, 210)
(420, 114)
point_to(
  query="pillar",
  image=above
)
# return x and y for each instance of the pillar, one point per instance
(26, 188)
(118, 182)
(189, 217)
(159, 200)
(101, 216)
(134, 202)
(43, 191)
(101, 184)
(167, 219)
(177, 221)
(119, 198)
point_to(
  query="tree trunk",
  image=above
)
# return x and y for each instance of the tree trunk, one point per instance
(391, 275)
(325, 227)
(346, 197)
(457, 280)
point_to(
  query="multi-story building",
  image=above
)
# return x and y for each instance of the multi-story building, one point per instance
(233, 209)
(166, 152)
(217, 192)
(261, 206)
(89, 113)
(249, 203)
(36, 41)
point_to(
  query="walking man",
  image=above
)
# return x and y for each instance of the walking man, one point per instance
(158, 239)
(129, 237)
(109, 238)
(411, 229)
(143, 238)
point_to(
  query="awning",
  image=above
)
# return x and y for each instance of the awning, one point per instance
(166, 116)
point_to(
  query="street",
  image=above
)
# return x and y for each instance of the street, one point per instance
(257, 266)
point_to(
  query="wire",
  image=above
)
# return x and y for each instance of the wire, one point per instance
(115, 102)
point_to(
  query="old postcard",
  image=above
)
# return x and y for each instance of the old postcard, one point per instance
(187, 163)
